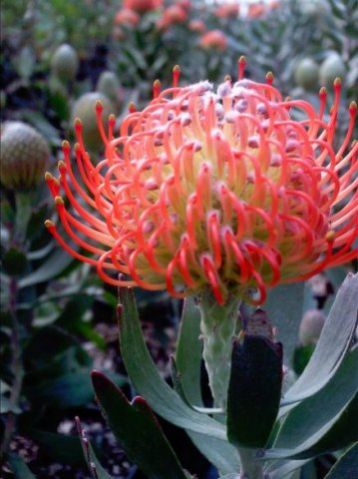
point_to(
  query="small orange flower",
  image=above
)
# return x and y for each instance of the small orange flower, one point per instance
(126, 16)
(197, 26)
(219, 188)
(227, 10)
(142, 6)
(186, 4)
(174, 14)
(214, 39)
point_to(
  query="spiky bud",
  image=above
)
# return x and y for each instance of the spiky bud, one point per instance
(24, 156)
(64, 63)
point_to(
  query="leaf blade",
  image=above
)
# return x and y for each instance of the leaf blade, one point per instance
(338, 331)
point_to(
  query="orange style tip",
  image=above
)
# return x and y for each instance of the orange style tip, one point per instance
(323, 91)
(337, 82)
(156, 83)
(330, 236)
(61, 166)
(77, 147)
(48, 176)
(176, 68)
(353, 107)
(99, 106)
(65, 144)
(112, 118)
(242, 60)
(228, 78)
(59, 201)
(131, 107)
(269, 77)
(49, 224)
(78, 122)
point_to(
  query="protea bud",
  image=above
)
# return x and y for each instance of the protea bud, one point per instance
(24, 156)
(109, 85)
(85, 112)
(306, 73)
(64, 63)
(330, 69)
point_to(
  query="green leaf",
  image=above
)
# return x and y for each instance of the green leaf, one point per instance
(283, 469)
(320, 422)
(25, 62)
(20, 468)
(137, 430)
(89, 454)
(333, 344)
(347, 465)
(148, 382)
(254, 391)
(206, 433)
(284, 308)
(188, 354)
(221, 454)
(49, 269)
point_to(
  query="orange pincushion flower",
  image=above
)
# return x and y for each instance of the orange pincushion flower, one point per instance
(174, 14)
(197, 26)
(227, 10)
(218, 188)
(214, 39)
(142, 6)
(186, 4)
(126, 16)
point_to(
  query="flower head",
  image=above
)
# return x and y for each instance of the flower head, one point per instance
(197, 26)
(126, 16)
(214, 187)
(214, 39)
(227, 10)
(171, 16)
(142, 6)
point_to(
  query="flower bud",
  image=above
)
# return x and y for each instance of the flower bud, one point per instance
(24, 156)
(85, 109)
(311, 327)
(64, 63)
(109, 85)
(331, 68)
(306, 73)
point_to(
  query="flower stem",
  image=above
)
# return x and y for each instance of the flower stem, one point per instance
(218, 325)
(17, 370)
(24, 209)
(250, 469)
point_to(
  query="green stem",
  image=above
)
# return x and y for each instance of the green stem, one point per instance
(250, 469)
(17, 370)
(24, 209)
(218, 326)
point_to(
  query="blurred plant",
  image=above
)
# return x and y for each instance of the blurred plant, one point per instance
(41, 324)
(64, 63)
